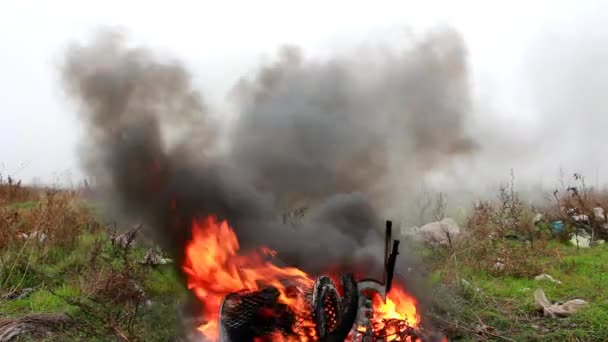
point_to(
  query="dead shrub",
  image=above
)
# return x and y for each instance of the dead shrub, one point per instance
(12, 191)
(575, 205)
(111, 296)
(502, 238)
(116, 288)
(57, 218)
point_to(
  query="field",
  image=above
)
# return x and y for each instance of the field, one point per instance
(502, 307)
(58, 257)
(96, 287)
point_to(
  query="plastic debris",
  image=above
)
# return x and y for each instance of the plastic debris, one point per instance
(581, 240)
(557, 309)
(438, 232)
(558, 227)
(545, 276)
(40, 236)
(499, 266)
(598, 213)
(155, 256)
(467, 285)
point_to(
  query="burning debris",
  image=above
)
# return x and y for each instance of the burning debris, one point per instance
(325, 316)
(246, 297)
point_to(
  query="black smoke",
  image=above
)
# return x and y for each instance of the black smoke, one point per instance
(340, 135)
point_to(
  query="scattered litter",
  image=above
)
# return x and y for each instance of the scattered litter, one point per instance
(526, 289)
(499, 266)
(557, 310)
(580, 218)
(438, 232)
(558, 227)
(155, 256)
(467, 285)
(40, 236)
(600, 242)
(599, 214)
(581, 240)
(126, 240)
(537, 218)
(545, 276)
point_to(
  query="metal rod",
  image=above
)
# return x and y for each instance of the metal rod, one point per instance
(390, 267)
(387, 242)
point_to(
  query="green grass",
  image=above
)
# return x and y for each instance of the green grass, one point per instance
(507, 303)
(164, 282)
(59, 272)
(40, 301)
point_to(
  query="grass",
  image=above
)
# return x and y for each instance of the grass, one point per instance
(40, 301)
(79, 271)
(506, 304)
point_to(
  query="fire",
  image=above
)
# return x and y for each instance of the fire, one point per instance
(214, 269)
(395, 319)
(399, 305)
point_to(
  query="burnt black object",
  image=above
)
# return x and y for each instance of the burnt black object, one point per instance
(389, 260)
(390, 265)
(245, 316)
(347, 313)
(325, 303)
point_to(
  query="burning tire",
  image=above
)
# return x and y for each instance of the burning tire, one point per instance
(247, 315)
(325, 306)
(258, 316)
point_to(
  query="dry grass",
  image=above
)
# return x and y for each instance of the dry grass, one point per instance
(487, 273)
(12, 191)
(57, 257)
(33, 324)
(500, 237)
(58, 216)
(80, 269)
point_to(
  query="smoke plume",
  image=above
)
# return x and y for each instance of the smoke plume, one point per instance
(314, 128)
(343, 136)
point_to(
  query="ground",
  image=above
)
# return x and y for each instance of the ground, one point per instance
(79, 271)
(108, 295)
(495, 307)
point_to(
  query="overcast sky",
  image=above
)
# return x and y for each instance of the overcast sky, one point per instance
(222, 40)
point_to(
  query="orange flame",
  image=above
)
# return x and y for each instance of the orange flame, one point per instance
(398, 305)
(214, 270)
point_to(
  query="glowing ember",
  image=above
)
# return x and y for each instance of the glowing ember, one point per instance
(214, 270)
